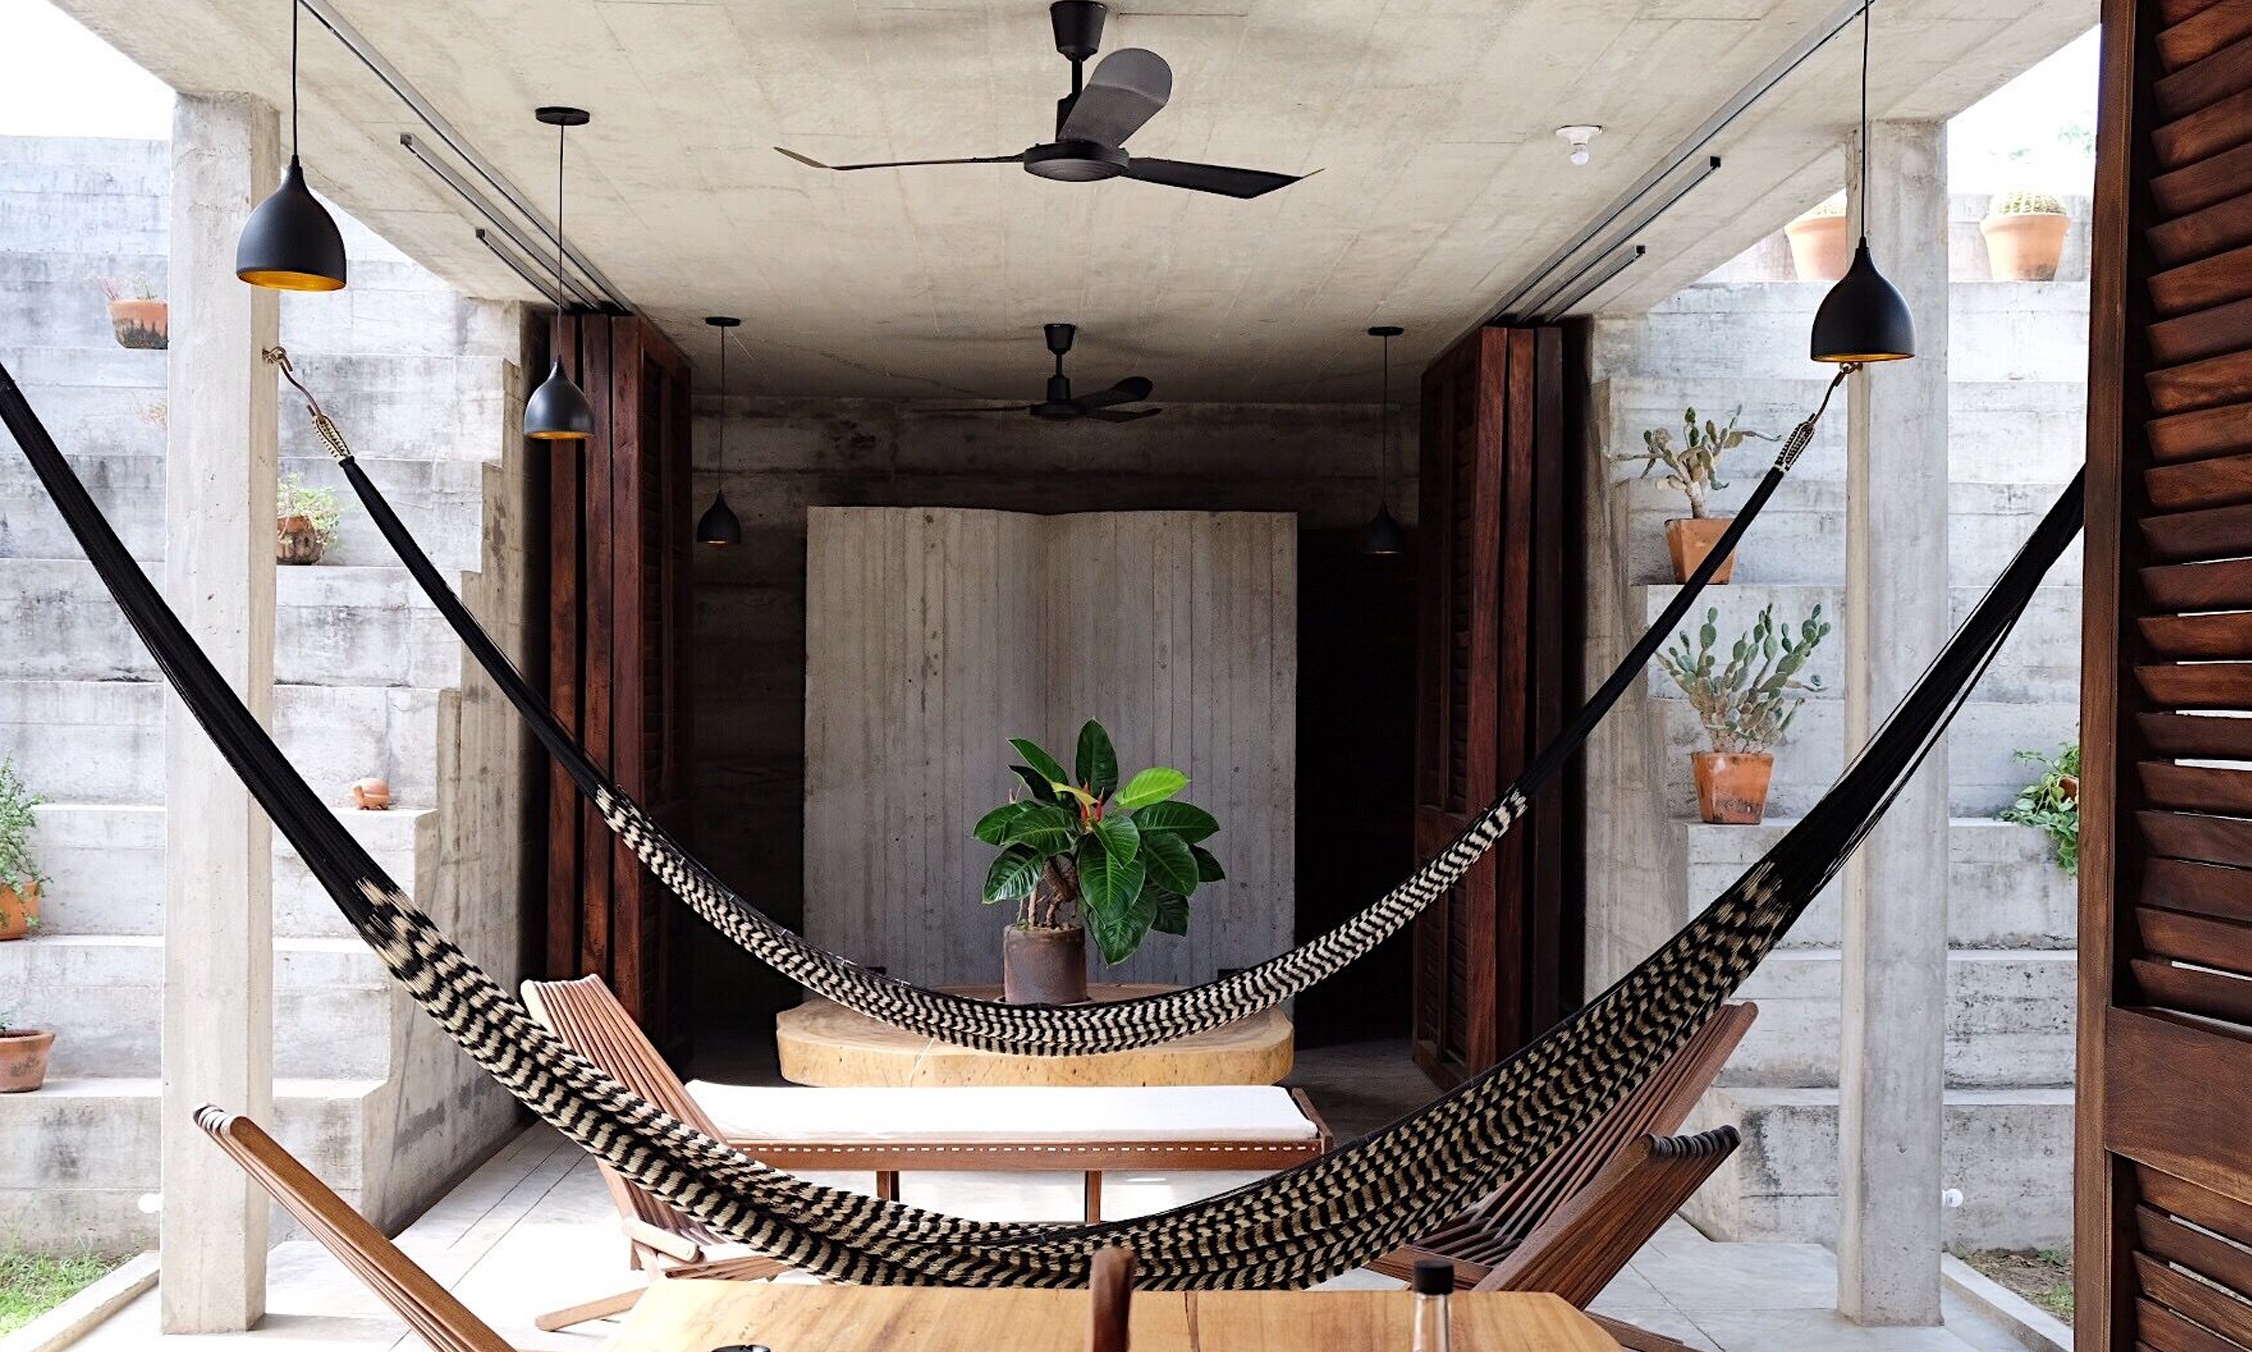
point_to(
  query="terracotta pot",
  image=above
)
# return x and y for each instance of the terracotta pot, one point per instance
(23, 1059)
(1690, 538)
(2025, 246)
(1732, 786)
(296, 540)
(1819, 249)
(2071, 786)
(1044, 966)
(19, 911)
(143, 324)
(371, 795)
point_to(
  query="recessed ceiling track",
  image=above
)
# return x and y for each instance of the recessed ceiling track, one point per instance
(1595, 284)
(523, 268)
(1693, 145)
(1618, 238)
(381, 67)
(582, 293)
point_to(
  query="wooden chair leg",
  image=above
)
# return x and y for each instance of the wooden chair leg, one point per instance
(1636, 1338)
(589, 1312)
(1094, 1202)
(887, 1184)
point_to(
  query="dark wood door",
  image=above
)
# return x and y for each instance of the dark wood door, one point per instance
(619, 529)
(1493, 963)
(2163, 1188)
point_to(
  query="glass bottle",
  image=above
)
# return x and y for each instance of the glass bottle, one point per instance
(1433, 1284)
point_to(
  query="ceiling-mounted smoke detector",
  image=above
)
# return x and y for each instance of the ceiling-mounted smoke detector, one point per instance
(1578, 135)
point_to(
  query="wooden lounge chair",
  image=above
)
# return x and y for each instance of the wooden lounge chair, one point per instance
(1480, 1239)
(431, 1310)
(662, 1242)
(1583, 1245)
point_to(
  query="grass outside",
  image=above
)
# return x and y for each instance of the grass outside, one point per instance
(2043, 1276)
(32, 1284)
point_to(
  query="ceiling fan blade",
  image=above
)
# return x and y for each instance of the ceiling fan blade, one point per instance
(1121, 414)
(813, 163)
(1215, 178)
(1131, 390)
(1012, 409)
(1127, 89)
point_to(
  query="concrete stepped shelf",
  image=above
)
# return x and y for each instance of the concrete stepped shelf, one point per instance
(106, 993)
(103, 741)
(2007, 889)
(106, 869)
(2009, 1150)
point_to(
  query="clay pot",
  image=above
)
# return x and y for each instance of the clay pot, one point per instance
(2071, 786)
(1690, 538)
(2025, 246)
(296, 540)
(1819, 251)
(1732, 785)
(23, 1059)
(371, 795)
(141, 324)
(1044, 966)
(19, 910)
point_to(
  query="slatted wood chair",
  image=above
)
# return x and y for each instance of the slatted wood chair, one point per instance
(1585, 1243)
(429, 1309)
(664, 1242)
(1486, 1235)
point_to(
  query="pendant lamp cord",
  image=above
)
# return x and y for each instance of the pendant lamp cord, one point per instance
(296, 8)
(560, 130)
(1864, 156)
(1384, 448)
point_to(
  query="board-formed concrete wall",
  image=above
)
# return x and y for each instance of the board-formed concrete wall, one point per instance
(934, 635)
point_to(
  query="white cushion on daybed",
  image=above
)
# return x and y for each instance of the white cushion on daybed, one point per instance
(1006, 1114)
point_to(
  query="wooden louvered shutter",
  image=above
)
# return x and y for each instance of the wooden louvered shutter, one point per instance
(2163, 1186)
(1493, 961)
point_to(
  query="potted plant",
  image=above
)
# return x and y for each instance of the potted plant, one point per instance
(1079, 853)
(305, 521)
(2051, 803)
(1746, 704)
(1819, 248)
(20, 878)
(1693, 467)
(23, 1055)
(2024, 236)
(138, 318)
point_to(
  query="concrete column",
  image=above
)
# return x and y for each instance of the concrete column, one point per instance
(1895, 918)
(218, 1036)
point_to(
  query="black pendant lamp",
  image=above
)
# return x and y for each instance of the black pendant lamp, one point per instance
(290, 243)
(557, 411)
(718, 526)
(1864, 318)
(1383, 537)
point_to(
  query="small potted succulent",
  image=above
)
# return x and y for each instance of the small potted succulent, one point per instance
(305, 521)
(1746, 703)
(1819, 248)
(23, 1055)
(20, 878)
(2024, 236)
(138, 318)
(1080, 853)
(2051, 803)
(1692, 466)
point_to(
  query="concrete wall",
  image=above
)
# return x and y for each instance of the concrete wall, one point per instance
(775, 459)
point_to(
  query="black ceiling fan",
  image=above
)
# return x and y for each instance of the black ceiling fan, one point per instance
(1102, 405)
(1127, 89)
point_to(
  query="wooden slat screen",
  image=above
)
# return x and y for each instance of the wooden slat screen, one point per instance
(2164, 1176)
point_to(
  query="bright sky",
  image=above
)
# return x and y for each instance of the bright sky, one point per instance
(2037, 131)
(57, 79)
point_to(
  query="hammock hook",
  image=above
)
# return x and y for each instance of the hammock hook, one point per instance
(277, 356)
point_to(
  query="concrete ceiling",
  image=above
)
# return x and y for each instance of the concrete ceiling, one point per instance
(1431, 121)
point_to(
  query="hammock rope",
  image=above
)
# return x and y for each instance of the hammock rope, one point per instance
(1293, 1228)
(1037, 1030)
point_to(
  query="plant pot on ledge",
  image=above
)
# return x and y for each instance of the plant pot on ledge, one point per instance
(23, 1059)
(1819, 248)
(296, 540)
(141, 323)
(1044, 966)
(1732, 786)
(1690, 538)
(19, 910)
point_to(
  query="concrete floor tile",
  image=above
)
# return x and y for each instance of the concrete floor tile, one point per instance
(1813, 1330)
(1743, 1276)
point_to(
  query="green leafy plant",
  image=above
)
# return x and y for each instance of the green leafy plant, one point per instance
(2051, 803)
(1692, 465)
(2026, 203)
(1747, 702)
(19, 868)
(319, 505)
(1127, 859)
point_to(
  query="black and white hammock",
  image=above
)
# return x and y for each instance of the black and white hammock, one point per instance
(1036, 1030)
(1291, 1229)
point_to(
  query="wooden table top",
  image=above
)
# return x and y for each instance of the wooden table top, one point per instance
(823, 1043)
(697, 1316)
